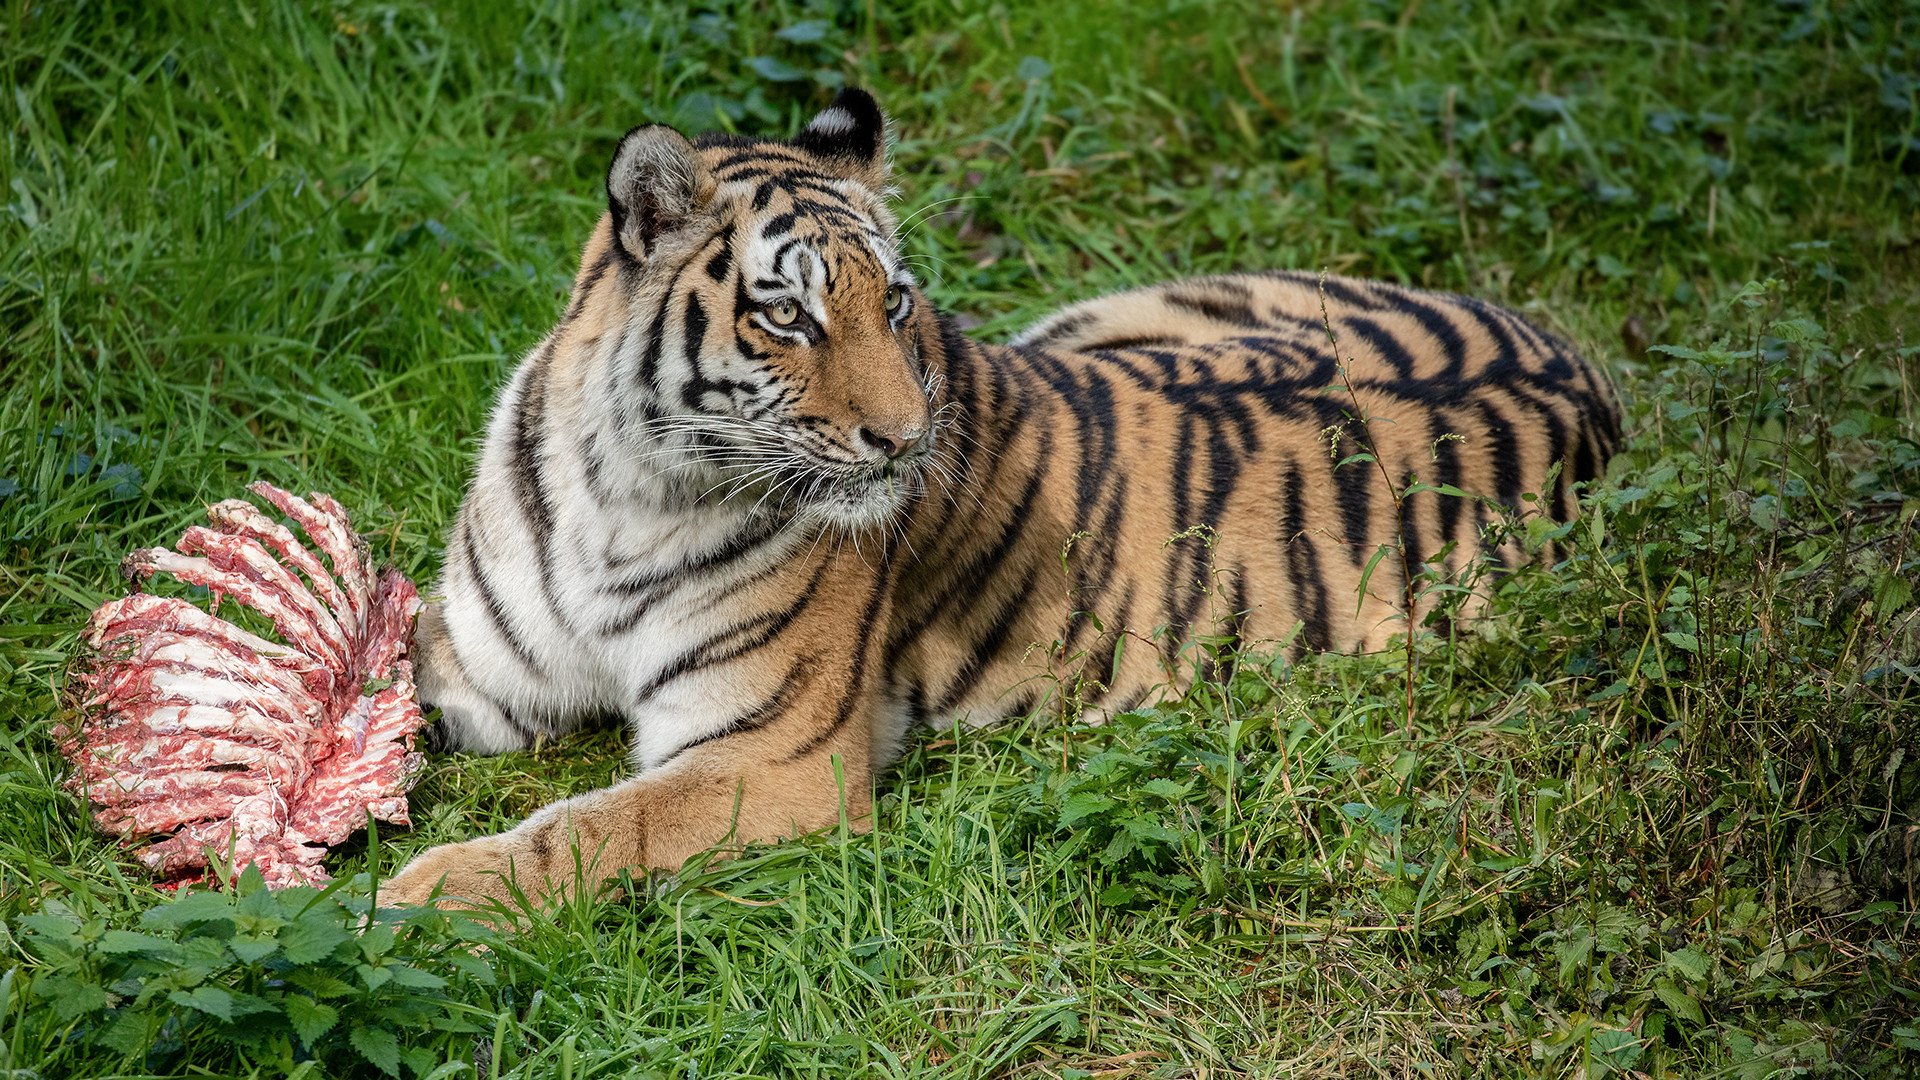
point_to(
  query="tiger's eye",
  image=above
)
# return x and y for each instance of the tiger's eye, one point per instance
(783, 312)
(895, 294)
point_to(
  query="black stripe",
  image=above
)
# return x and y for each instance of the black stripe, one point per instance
(1385, 343)
(734, 642)
(648, 374)
(590, 279)
(1142, 342)
(1173, 578)
(1065, 327)
(1234, 311)
(1412, 546)
(1506, 455)
(1353, 485)
(722, 261)
(525, 449)
(1441, 329)
(791, 685)
(648, 589)
(1310, 599)
(491, 600)
(693, 339)
(1446, 471)
(856, 679)
(970, 578)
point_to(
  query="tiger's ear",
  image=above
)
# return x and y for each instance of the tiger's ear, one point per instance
(656, 185)
(850, 137)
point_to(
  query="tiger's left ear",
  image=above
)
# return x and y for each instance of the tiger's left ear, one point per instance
(850, 137)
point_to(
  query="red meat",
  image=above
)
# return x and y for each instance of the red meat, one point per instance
(248, 751)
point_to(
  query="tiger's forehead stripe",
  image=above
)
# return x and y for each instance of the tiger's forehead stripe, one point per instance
(802, 233)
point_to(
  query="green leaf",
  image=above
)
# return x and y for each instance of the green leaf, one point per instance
(1080, 805)
(1678, 352)
(805, 32)
(128, 1033)
(1689, 962)
(378, 1046)
(403, 975)
(1799, 330)
(1619, 1049)
(422, 1063)
(252, 950)
(310, 1019)
(376, 942)
(1165, 788)
(207, 999)
(472, 967)
(127, 941)
(52, 928)
(200, 907)
(1684, 642)
(72, 998)
(1367, 574)
(1612, 690)
(322, 985)
(311, 939)
(1575, 954)
(774, 69)
(245, 1004)
(1895, 591)
(1679, 1002)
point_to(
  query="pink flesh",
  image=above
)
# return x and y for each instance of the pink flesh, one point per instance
(333, 535)
(246, 557)
(251, 752)
(241, 518)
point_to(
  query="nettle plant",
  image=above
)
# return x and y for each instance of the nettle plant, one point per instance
(299, 979)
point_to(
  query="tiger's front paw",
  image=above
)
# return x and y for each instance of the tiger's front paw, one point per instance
(467, 876)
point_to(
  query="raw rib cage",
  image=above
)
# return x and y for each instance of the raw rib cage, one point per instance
(249, 751)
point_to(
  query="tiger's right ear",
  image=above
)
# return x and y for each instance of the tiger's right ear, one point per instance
(656, 185)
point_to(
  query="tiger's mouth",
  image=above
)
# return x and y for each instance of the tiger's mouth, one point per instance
(861, 496)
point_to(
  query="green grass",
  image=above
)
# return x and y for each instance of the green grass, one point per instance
(1660, 814)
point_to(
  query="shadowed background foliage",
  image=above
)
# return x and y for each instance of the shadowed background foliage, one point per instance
(1657, 816)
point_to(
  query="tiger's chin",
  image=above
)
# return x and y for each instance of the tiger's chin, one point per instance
(856, 505)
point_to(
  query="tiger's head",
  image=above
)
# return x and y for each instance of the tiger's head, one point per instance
(777, 350)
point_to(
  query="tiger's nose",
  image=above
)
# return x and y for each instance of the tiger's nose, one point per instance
(893, 446)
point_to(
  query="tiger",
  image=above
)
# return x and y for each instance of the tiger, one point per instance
(757, 498)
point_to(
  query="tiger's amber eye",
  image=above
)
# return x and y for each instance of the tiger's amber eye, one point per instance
(783, 312)
(895, 294)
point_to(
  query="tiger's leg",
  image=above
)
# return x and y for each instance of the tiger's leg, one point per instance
(472, 720)
(760, 784)
(469, 719)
